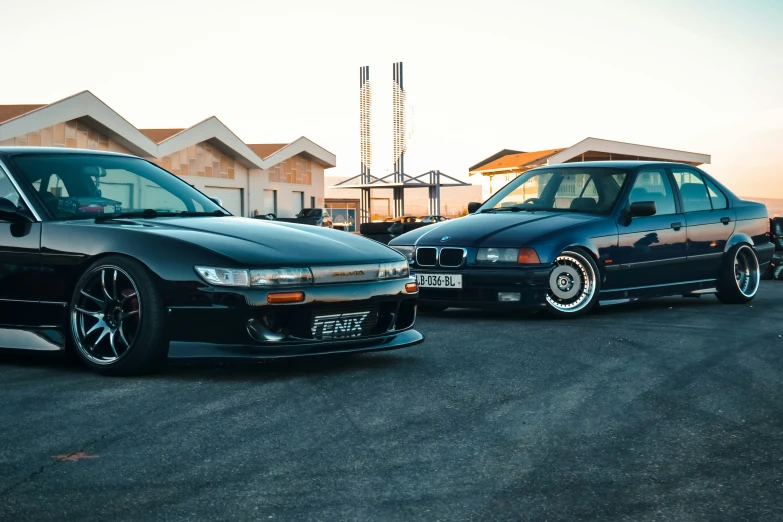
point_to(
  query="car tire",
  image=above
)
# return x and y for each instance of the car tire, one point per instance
(116, 318)
(574, 285)
(739, 278)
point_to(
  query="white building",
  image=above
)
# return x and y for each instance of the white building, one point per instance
(249, 178)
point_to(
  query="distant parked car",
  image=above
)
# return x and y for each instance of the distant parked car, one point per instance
(318, 217)
(565, 237)
(775, 269)
(402, 219)
(433, 219)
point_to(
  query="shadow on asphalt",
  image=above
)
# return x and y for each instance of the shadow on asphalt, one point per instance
(225, 370)
(638, 307)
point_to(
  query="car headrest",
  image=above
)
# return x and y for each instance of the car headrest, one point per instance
(584, 204)
(639, 194)
(693, 191)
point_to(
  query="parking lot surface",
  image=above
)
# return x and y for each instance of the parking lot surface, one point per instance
(666, 410)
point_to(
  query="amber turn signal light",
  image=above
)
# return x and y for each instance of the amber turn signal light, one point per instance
(285, 297)
(527, 256)
(411, 288)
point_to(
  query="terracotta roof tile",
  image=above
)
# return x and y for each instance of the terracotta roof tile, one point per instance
(9, 112)
(515, 161)
(158, 135)
(264, 150)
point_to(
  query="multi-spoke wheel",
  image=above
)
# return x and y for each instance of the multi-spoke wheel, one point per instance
(573, 284)
(740, 276)
(116, 320)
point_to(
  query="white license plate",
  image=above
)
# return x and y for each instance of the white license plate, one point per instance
(439, 280)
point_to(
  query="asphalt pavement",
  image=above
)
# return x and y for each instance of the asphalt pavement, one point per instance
(666, 410)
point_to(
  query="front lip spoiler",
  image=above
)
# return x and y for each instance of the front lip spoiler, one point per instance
(182, 350)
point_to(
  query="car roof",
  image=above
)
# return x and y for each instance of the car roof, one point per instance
(618, 164)
(59, 150)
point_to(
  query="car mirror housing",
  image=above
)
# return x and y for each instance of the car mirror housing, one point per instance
(473, 206)
(217, 201)
(642, 209)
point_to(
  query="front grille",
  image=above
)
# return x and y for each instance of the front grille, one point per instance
(467, 294)
(426, 256)
(451, 257)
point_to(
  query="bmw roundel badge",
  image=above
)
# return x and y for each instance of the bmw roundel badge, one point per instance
(444, 239)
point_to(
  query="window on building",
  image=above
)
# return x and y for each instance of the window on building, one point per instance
(692, 190)
(653, 185)
(270, 202)
(312, 201)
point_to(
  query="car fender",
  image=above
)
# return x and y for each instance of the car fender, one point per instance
(736, 239)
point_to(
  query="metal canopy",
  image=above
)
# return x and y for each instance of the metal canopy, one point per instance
(431, 180)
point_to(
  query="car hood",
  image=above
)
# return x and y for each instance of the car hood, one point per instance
(261, 243)
(498, 229)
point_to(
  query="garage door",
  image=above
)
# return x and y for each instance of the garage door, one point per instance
(230, 197)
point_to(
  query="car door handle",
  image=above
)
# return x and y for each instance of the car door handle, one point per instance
(725, 220)
(677, 225)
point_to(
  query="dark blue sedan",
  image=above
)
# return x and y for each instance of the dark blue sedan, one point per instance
(568, 236)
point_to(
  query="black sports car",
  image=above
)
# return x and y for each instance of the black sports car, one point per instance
(127, 263)
(568, 236)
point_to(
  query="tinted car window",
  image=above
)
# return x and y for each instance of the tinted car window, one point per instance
(82, 185)
(577, 189)
(718, 199)
(692, 190)
(653, 185)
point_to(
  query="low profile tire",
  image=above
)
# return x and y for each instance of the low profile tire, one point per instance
(740, 277)
(574, 285)
(116, 318)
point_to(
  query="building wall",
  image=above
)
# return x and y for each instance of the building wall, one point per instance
(297, 174)
(72, 134)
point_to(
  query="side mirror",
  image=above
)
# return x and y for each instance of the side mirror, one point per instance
(217, 201)
(473, 206)
(643, 208)
(9, 212)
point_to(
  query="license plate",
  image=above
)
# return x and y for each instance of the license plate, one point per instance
(338, 326)
(439, 280)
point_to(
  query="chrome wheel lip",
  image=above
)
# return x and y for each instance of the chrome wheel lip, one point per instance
(585, 286)
(112, 323)
(747, 274)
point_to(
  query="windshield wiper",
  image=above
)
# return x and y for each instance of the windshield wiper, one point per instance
(152, 213)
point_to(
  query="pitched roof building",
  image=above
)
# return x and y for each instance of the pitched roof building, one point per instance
(277, 178)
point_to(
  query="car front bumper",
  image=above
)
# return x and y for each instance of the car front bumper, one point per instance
(481, 286)
(239, 323)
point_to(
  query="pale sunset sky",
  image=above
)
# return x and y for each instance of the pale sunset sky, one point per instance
(697, 75)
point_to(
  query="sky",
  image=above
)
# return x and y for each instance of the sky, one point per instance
(697, 75)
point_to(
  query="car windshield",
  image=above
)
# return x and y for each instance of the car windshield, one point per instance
(576, 189)
(309, 213)
(74, 186)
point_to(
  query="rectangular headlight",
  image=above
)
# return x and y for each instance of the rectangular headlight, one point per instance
(223, 276)
(407, 251)
(281, 276)
(521, 256)
(396, 270)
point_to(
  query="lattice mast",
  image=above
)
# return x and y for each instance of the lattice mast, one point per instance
(365, 139)
(400, 143)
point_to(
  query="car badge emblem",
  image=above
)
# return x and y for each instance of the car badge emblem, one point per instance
(444, 239)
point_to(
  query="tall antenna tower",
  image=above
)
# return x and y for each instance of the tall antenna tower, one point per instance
(365, 138)
(400, 143)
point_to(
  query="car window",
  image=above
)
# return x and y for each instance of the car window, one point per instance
(692, 190)
(718, 199)
(8, 191)
(653, 185)
(75, 186)
(576, 189)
